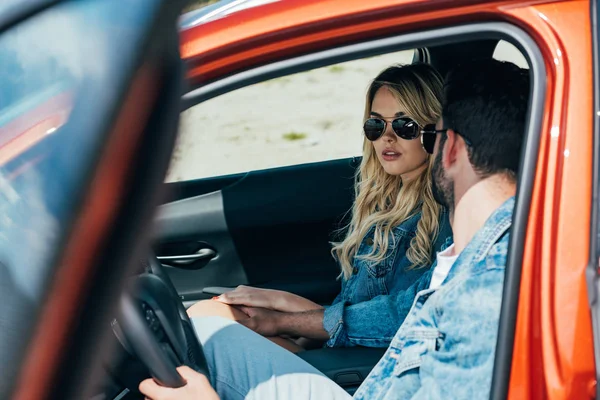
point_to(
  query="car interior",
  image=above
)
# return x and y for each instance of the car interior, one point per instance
(265, 228)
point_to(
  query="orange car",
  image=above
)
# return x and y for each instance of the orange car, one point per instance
(77, 206)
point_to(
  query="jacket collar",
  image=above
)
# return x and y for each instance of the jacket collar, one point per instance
(492, 231)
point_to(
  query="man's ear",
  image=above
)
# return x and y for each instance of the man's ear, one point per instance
(450, 151)
(455, 152)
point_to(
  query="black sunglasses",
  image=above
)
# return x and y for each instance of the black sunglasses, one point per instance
(428, 135)
(403, 127)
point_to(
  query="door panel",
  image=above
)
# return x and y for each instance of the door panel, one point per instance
(269, 228)
(197, 187)
(192, 225)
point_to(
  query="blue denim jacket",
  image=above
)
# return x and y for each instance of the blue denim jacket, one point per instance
(379, 291)
(445, 347)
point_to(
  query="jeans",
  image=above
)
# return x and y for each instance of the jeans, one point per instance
(245, 365)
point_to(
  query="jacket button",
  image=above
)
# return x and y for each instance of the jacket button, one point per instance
(355, 270)
(369, 241)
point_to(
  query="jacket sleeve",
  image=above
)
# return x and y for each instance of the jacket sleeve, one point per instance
(371, 323)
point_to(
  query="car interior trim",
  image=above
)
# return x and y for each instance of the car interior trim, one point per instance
(179, 220)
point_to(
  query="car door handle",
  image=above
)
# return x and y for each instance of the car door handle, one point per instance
(202, 254)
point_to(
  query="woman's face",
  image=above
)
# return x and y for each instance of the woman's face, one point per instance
(397, 156)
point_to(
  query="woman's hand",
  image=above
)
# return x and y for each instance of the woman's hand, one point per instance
(267, 298)
(197, 388)
(252, 297)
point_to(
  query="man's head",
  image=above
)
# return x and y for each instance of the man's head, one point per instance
(484, 115)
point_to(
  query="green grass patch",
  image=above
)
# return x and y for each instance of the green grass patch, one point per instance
(326, 124)
(292, 136)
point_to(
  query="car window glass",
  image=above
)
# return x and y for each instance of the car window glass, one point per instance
(301, 118)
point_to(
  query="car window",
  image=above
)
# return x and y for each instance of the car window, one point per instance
(506, 51)
(301, 118)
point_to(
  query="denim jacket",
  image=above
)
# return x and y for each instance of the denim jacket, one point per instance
(379, 291)
(445, 347)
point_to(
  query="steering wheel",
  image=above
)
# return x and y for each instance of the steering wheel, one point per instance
(154, 326)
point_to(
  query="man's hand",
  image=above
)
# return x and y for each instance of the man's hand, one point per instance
(197, 388)
(308, 324)
(263, 321)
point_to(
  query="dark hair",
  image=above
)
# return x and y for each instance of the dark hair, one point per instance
(485, 101)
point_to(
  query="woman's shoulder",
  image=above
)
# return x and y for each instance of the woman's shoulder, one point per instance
(409, 225)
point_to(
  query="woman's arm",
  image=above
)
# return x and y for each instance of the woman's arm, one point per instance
(277, 300)
(372, 323)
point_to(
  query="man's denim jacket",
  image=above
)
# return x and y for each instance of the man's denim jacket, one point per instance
(379, 291)
(445, 347)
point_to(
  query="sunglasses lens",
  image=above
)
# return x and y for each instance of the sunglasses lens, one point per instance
(428, 139)
(405, 128)
(374, 128)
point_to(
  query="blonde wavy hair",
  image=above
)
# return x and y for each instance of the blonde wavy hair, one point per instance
(383, 201)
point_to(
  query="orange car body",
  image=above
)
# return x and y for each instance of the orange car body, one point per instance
(553, 351)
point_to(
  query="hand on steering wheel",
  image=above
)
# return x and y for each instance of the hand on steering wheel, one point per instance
(197, 387)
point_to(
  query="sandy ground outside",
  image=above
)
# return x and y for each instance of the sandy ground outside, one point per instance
(301, 118)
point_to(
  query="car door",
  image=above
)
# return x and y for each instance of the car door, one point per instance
(269, 228)
(89, 105)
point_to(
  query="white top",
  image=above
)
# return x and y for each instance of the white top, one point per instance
(444, 263)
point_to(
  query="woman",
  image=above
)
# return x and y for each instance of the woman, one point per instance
(395, 230)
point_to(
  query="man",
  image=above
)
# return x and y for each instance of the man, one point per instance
(445, 347)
